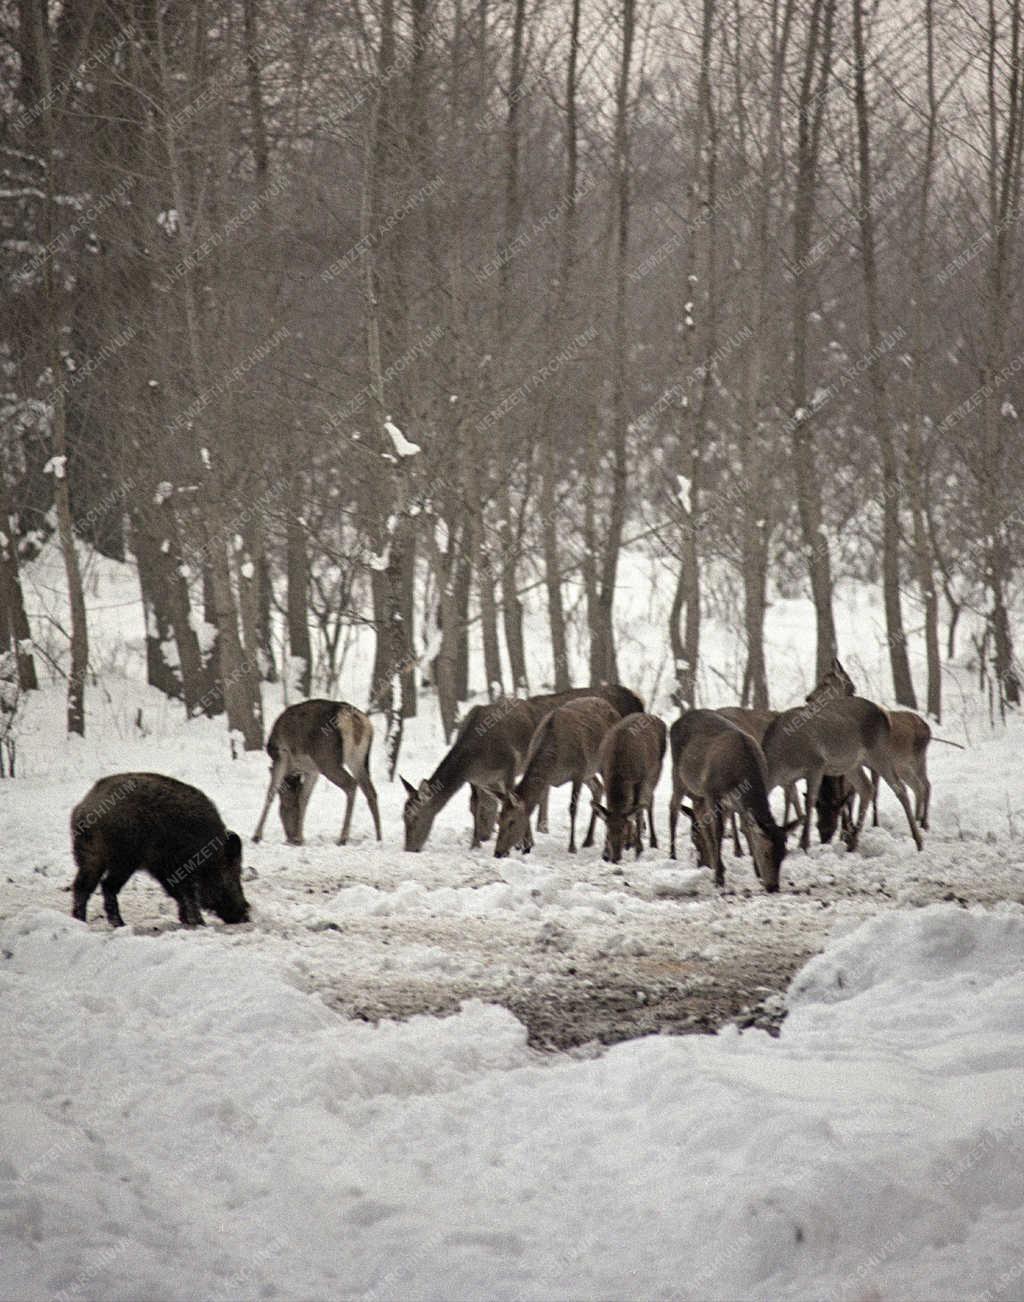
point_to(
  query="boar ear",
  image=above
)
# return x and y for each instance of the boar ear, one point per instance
(233, 847)
(410, 790)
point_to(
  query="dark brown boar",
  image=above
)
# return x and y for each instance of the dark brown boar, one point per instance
(171, 830)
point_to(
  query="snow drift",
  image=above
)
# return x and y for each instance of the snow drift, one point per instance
(180, 1122)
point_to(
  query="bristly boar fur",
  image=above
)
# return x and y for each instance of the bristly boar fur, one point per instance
(171, 830)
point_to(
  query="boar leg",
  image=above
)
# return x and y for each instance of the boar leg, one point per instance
(91, 857)
(188, 909)
(111, 884)
(85, 883)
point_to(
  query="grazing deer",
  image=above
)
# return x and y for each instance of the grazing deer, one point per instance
(625, 702)
(488, 752)
(630, 763)
(837, 737)
(722, 769)
(471, 753)
(911, 736)
(565, 748)
(755, 723)
(310, 738)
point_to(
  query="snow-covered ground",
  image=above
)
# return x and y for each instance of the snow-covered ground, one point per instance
(209, 1114)
(180, 1122)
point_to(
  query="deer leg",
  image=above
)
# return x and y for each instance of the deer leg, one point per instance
(475, 796)
(638, 836)
(875, 784)
(673, 819)
(792, 800)
(737, 849)
(542, 812)
(309, 781)
(573, 801)
(926, 800)
(277, 771)
(863, 785)
(650, 821)
(897, 785)
(717, 837)
(813, 787)
(350, 800)
(370, 792)
(596, 792)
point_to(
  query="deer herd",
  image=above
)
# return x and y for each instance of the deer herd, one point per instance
(510, 753)
(725, 763)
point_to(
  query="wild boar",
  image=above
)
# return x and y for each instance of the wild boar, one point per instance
(144, 820)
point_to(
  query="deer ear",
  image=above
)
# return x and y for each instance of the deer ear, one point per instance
(599, 810)
(685, 809)
(409, 788)
(792, 825)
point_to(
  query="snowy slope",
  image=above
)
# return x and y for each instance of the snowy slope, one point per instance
(180, 1122)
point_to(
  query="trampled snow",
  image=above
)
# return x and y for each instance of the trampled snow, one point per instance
(180, 1122)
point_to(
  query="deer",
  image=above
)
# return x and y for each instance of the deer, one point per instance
(489, 753)
(911, 737)
(630, 761)
(564, 748)
(835, 736)
(625, 702)
(723, 770)
(312, 738)
(754, 723)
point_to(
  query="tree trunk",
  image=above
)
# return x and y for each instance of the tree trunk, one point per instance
(159, 628)
(811, 104)
(1002, 638)
(691, 439)
(755, 582)
(238, 677)
(410, 686)
(79, 658)
(552, 566)
(994, 458)
(300, 653)
(484, 580)
(237, 680)
(512, 609)
(606, 661)
(445, 667)
(917, 468)
(463, 584)
(11, 596)
(903, 687)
